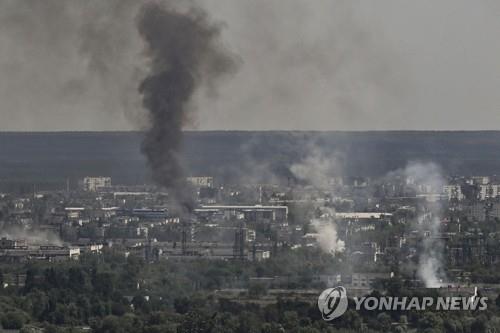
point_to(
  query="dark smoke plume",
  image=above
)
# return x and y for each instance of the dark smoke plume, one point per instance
(185, 54)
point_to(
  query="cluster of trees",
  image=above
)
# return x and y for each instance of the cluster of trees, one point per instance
(110, 293)
(101, 288)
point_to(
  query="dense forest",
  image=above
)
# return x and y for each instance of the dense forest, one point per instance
(49, 159)
(114, 294)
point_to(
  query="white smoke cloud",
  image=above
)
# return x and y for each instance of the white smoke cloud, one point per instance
(317, 168)
(32, 237)
(430, 263)
(327, 238)
(428, 270)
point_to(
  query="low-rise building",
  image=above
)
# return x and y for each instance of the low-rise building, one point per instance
(204, 181)
(49, 253)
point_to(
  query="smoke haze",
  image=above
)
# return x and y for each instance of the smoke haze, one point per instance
(317, 168)
(74, 65)
(69, 65)
(33, 237)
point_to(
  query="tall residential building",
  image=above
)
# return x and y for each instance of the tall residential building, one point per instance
(95, 183)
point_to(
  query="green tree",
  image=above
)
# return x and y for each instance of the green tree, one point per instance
(430, 320)
(290, 320)
(257, 289)
(272, 328)
(384, 320)
(13, 320)
(196, 322)
(110, 324)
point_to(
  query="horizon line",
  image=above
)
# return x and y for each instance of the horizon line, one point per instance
(254, 131)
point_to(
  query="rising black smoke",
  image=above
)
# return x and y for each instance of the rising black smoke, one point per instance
(185, 53)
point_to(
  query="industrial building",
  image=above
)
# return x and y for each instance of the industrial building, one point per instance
(13, 250)
(255, 213)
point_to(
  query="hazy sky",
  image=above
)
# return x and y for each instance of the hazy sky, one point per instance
(304, 64)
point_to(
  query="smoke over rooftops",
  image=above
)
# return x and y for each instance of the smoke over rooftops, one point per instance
(184, 54)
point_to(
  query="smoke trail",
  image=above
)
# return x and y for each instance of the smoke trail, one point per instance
(185, 54)
(316, 170)
(430, 261)
(430, 264)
